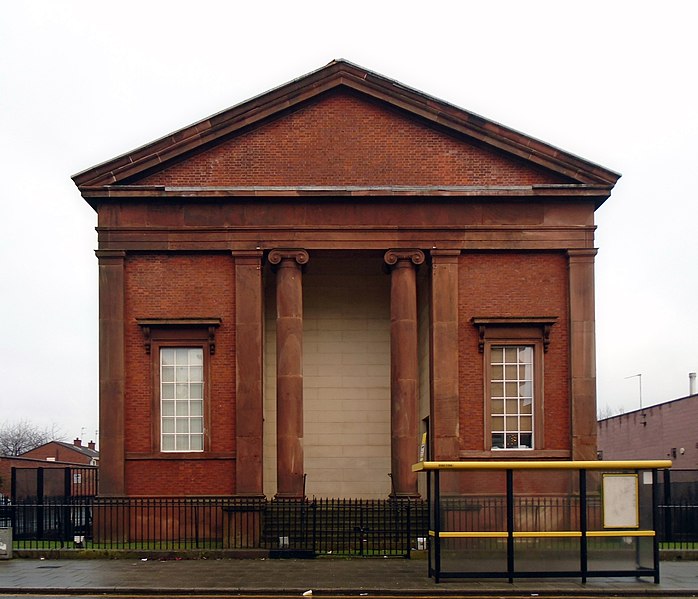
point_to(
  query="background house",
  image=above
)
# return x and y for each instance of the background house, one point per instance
(59, 451)
(79, 461)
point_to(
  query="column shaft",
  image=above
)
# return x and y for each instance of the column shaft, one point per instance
(444, 400)
(112, 474)
(582, 354)
(249, 409)
(289, 372)
(404, 370)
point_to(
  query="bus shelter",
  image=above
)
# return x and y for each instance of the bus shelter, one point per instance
(542, 519)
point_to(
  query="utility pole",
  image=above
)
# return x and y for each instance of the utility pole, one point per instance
(639, 378)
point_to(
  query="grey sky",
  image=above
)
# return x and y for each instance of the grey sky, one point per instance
(81, 82)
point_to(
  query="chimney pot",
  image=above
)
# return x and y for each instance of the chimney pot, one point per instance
(691, 383)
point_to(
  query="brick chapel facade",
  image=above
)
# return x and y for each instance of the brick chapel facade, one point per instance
(293, 290)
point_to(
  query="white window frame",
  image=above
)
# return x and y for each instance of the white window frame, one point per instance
(512, 396)
(182, 392)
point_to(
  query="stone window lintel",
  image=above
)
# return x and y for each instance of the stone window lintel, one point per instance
(209, 324)
(488, 327)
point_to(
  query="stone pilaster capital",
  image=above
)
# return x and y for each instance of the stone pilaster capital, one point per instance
(247, 253)
(444, 257)
(445, 253)
(110, 256)
(296, 255)
(248, 257)
(582, 254)
(415, 256)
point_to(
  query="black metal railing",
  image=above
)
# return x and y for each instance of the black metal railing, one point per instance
(35, 484)
(678, 509)
(341, 527)
(338, 527)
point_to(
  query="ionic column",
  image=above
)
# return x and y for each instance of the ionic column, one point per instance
(404, 374)
(582, 353)
(112, 474)
(289, 371)
(249, 411)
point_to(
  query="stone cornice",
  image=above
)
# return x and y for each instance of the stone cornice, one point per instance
(599, 192)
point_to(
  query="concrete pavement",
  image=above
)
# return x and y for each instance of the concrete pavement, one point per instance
(328, 577)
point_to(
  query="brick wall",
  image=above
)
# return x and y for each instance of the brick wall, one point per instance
(179, 286)
(652, 433)
(341, 139)
(514, 284)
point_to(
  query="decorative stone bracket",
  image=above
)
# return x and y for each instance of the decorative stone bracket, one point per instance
(180, 328)
(509, 326)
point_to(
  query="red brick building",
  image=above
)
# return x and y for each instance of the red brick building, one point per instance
(72, 453)
(665, 430)
(294, 289)
(54, 455)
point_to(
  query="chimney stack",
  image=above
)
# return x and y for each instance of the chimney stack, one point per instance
(691, 383)
(91, 445)
(77, 442)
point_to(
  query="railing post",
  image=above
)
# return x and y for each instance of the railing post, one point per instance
(655, 520)
(510, 524)
(430, 543)
(583, 549)
(313, 506)
(668, 511)
(13, 496)
(437, 526)
(409, 529)
(40, 503)
(66, 532)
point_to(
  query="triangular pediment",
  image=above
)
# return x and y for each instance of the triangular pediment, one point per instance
(342, 138)
(345, 126)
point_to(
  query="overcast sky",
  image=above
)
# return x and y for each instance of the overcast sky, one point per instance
(81, 82)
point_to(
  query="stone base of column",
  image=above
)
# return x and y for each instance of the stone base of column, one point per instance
(289, 497)
(243, 522)
(405, 496)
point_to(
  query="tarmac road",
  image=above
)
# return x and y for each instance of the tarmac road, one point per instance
(330, 596)
(327, 578)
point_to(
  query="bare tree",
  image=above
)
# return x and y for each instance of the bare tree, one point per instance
(608, 412)
(19, 437)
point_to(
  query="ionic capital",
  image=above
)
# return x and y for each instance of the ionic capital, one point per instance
(299, 256)
(392, 257)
